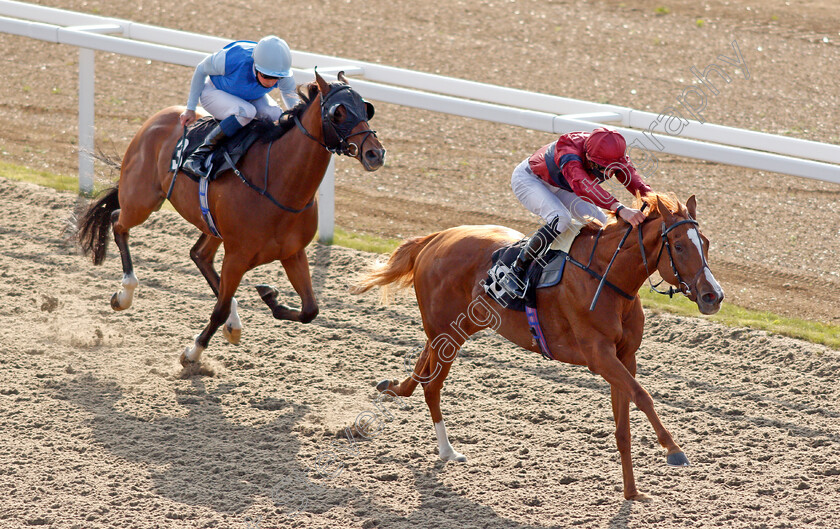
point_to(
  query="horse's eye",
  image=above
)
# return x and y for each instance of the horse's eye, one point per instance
(678, 247)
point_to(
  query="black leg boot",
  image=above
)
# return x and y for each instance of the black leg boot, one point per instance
(515, 282)
(195, 161)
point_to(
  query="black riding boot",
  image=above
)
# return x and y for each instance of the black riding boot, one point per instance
(515, 282)
(195, 161)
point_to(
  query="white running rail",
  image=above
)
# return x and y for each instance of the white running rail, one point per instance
(547, 113)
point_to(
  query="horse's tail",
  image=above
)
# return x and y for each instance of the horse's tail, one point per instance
(398, 271)
(95, 223)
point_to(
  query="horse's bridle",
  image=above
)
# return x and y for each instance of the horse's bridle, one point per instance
(684, 287)
(336, 135)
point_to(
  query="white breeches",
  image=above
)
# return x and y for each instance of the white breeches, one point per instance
(221, 104)
(549, 202)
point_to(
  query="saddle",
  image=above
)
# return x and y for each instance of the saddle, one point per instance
(544, 272)
(235, 146)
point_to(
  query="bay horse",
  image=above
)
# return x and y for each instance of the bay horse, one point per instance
(448, 268)
(288, 162)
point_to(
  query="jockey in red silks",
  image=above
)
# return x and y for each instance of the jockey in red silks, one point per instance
(561, 181)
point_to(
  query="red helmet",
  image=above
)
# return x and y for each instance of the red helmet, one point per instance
(605, 147)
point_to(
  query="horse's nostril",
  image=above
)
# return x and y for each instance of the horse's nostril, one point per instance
(375, 156)
(709, 298)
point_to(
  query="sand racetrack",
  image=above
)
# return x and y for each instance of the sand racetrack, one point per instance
(100, 430)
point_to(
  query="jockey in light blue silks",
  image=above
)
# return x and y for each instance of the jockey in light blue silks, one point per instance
(240, 77)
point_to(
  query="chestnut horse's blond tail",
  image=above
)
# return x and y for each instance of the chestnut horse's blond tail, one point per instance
(398, 272)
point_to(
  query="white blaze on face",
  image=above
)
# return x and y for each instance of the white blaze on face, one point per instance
(694, 235)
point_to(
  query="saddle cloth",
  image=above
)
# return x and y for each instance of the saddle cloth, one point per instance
(236, 147)
(542, 273)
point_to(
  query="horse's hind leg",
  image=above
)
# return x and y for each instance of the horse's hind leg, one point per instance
(431, 370)
(136, 204)
(420, 375)
(233, 269)
(442, 352)
(122, 300)
(202, 254)
(297, 270)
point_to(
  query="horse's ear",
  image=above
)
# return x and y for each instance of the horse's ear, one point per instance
(691, 206)
(323, 86)
(667, 216)
(342, 78)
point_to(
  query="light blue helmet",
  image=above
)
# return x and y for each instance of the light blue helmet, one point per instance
(273, 57)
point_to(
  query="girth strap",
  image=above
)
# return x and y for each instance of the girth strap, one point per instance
(205, 207)
(536, 331)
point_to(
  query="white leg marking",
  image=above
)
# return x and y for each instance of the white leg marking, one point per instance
(192, 354)
(126, 295)
(445, 450)
(232, 328)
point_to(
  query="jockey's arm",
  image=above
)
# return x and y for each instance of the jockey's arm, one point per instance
(287, 87)
(588, 189)
(213, 64)
(633, 182)
(585, 187)
(635, 185)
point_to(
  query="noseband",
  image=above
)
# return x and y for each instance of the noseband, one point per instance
(683, 286)
(336, 135)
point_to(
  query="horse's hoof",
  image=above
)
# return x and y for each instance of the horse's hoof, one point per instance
(641, 496)
(115, 302)
(231, 335)
(678, 459)
(185, 361)
(455, 456)
(267, 293)
(382, 386)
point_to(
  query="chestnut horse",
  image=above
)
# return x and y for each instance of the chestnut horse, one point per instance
(259, 225)
(448, 269)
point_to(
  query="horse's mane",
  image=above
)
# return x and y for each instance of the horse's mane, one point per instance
(654, 202)
(270, 131)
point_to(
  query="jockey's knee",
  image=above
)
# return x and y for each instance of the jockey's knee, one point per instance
(559, 220)
(245, 113)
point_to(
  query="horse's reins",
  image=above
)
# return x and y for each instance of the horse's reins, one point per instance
(683, 286)
(342, 147)
(180, 161)
(607, 271)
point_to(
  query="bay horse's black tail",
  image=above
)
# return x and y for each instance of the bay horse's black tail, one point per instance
(95, 223)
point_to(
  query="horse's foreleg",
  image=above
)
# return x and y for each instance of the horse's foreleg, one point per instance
(621, 414)
(122, 300)
(232, 271)
(202, 254)
(603, 361)
(297, 270)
